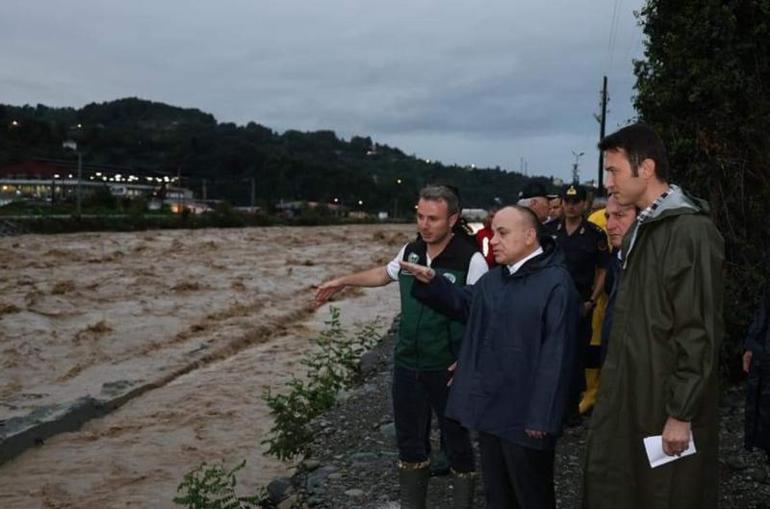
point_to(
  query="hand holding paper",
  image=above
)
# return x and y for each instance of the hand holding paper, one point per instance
(657, 457)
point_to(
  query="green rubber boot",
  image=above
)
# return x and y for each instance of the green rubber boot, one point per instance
(463, 489)
(413, 483)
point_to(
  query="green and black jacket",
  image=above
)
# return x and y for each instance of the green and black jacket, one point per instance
(428, 340)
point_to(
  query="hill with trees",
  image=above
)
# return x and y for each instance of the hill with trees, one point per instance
(315, 166)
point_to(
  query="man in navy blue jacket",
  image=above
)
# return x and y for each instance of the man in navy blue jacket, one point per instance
(517, 357)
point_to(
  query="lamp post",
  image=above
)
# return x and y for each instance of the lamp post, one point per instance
(395, 200)
(73, 145)
(575, 172)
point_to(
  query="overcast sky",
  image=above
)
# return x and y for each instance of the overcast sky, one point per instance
(483, 82)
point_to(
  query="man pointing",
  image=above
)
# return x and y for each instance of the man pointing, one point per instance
(517, 357)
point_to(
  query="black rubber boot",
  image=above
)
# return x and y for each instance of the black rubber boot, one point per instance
(463, 489)
(413, 482)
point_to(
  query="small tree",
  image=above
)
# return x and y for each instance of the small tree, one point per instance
(213, 487)
(333, 367)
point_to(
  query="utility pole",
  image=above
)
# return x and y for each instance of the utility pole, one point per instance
(80, 181)
(602, 123)
(180, 193)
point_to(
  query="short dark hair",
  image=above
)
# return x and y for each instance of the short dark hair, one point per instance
(640, 142)
(445, 193)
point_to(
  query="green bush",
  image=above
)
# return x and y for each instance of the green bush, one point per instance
(333, 367)
(213, 487)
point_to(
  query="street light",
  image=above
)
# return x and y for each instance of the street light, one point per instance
(73, 145)
(575, 172)
(395, 200)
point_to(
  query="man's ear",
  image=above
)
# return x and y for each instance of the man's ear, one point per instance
(531, 236)
(647, 169)
(453, 219)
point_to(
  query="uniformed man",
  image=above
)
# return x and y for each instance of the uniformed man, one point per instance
(555, 208)
(585, 248)
(535, 198)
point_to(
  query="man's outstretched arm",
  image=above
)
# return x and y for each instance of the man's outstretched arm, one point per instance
(378, 276)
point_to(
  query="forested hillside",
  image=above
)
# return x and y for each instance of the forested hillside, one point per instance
(319, 166)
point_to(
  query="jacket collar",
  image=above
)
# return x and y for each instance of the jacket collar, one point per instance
(514, 267)
(551, 255)
(676, 203)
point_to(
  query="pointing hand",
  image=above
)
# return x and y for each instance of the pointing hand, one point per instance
(326, 290)
(420, 272)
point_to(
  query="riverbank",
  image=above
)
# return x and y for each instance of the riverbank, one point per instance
(353, 461)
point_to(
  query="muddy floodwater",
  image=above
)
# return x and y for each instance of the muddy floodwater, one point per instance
(201, 320)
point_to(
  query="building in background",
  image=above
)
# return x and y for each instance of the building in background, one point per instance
(56, 180)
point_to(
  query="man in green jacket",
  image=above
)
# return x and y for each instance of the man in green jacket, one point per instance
(660, 375)
(426, 347)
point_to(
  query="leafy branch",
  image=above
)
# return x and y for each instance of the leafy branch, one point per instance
(332, 367)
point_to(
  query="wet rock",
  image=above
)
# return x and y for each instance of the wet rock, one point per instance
(110, 389)
(290, 502)
(355, 492)
(279, 489)
(735, 462)
(758, 474)
(316, 481)
(310, 465)
(315, 501)
(388, 430)
(369, 362)
(363, 457)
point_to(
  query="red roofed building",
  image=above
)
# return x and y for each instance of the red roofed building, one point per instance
(31, 170)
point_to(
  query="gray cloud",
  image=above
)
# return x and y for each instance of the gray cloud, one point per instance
(476, 82)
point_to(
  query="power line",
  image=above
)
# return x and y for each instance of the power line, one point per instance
(635, 42)
(614, 25)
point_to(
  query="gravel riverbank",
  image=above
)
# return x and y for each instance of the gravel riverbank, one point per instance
(354, 455)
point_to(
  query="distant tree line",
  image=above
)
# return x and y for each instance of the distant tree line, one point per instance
(294, 165)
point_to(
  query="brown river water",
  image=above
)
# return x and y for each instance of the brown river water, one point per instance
(212, 316)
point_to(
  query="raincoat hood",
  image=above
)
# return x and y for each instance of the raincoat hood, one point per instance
(679, 202)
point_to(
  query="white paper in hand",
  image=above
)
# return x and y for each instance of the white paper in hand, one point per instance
(654, 447)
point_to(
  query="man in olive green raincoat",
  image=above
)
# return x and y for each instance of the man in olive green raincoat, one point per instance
(660, 374)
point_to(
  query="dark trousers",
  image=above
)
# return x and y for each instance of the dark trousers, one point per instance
(414, 394)
(516, 477)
